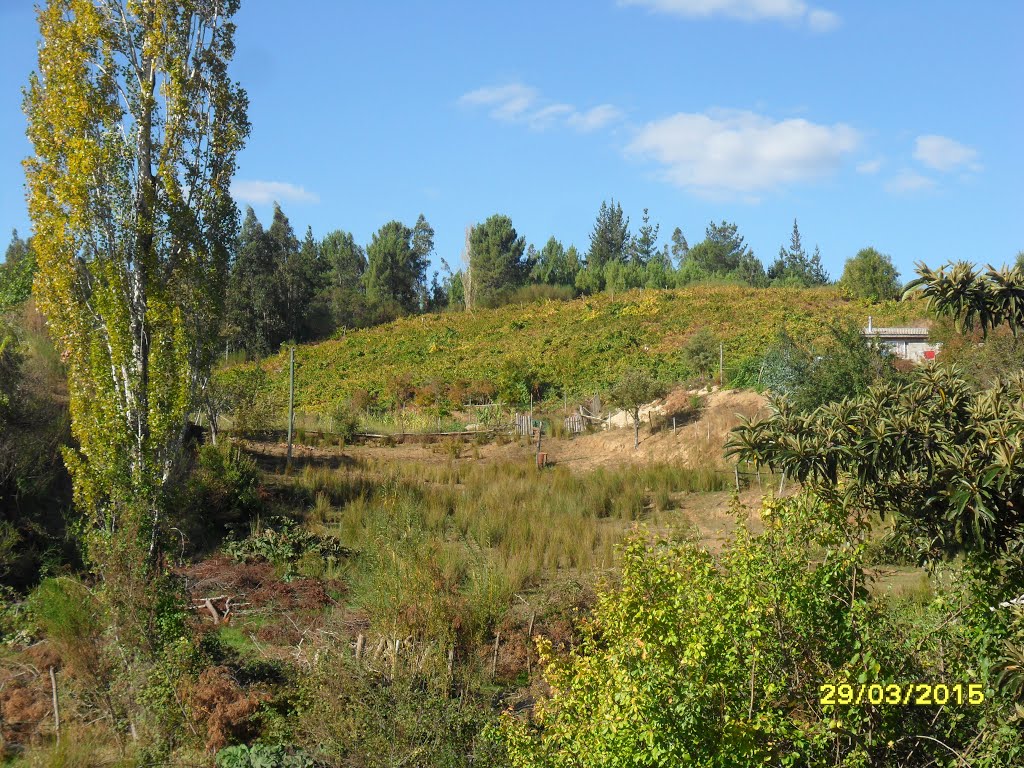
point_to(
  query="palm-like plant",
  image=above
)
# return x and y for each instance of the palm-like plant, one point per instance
(984, 300)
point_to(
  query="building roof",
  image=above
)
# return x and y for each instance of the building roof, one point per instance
(899, 332)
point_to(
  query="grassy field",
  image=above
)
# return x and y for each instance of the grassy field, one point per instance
(573, 348)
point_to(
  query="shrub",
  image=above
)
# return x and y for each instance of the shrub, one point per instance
(221, 493)
(248, 394)
(283, 543)
(701, 353)
(345, 422)
(705, 662)
(68, 614)
(263, 756)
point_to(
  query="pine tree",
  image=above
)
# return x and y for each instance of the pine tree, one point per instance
(16, 272)
(496, 257)
(609, 240)
(794, 267)
(254, 317)
(397, 266)
(644, 247)
(344, 262)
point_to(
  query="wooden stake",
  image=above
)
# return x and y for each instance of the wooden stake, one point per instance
(529, 645)
(721, 363)
(360, 640)
(494, 659)
(56, 705)
(291, 406)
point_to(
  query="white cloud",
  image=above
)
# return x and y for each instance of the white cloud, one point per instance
(945, 154)
(267, 192)
(870, 166)
(518, 103)
(907, 181)
(545, 116)
(822, 21)
(817, 19)
(728, 152)
(508, 101)
(594, 118)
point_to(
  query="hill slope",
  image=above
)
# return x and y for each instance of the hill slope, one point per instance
(577, 347)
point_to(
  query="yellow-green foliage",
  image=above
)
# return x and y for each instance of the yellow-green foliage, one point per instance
(132, 225)
(576, 346)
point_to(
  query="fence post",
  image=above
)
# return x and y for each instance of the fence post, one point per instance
(494, 659)
(291, 406)
(737, 470)
(56, 706)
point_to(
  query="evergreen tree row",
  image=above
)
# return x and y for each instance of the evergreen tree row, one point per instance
(283, 289)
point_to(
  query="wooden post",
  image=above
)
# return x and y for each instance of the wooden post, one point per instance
(721, 363)
(451, 661)
(782, 482)
(494, 659)
(56, 706)
(360, 640)
(394, 659)
(529, 645)
(673, 425)
(737, 469)
(291, 406)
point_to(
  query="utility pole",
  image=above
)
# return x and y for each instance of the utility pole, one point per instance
(291, 406)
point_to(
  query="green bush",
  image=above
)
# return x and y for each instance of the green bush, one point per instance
(263, 756)
(719, 661)
(284, 543)
(68, 614)
(221, 494)
(254, 407)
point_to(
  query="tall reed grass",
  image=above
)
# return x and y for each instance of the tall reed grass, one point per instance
(443, 547)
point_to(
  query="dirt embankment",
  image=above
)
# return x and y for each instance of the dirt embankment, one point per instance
(696, 443)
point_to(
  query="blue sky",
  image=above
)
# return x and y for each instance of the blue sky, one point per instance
(896, 125)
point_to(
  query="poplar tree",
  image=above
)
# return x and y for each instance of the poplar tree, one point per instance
(135, 126)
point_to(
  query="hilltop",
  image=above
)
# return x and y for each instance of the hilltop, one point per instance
(573, 347)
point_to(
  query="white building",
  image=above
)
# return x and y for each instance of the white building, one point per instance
(905, 342)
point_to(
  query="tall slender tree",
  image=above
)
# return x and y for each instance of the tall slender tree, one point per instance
(253, 307)
(680, 248)
(609, 240)
(135, 126)
(644, 247)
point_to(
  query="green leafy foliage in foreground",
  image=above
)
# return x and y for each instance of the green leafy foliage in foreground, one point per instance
(575, 347)
(940, 456)
(703, 661)
(262, 756)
